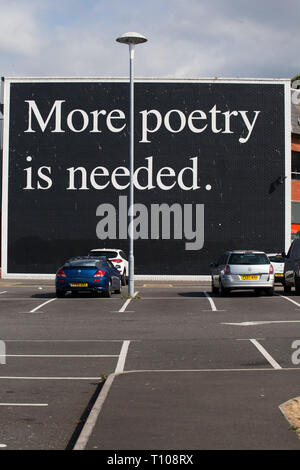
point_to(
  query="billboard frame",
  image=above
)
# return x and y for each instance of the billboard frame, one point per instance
(7, 81)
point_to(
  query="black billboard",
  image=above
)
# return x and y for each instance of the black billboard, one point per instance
(211, 172)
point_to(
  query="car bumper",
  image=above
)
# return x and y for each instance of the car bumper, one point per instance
(232, 282)
(279, 278)
(76, 285)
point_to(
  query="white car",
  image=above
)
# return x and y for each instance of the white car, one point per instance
(278, 265)
(117, 257)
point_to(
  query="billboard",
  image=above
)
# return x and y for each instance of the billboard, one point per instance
(212, 171)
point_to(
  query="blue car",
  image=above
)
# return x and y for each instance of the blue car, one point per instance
(89, 274)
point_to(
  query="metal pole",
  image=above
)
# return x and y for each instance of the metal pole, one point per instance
(131, 157)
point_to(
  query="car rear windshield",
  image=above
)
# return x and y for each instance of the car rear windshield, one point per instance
(82, 264)
(276, 259)
(248, 258)
(109, 254)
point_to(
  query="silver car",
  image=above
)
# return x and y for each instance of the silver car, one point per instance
(242, 270)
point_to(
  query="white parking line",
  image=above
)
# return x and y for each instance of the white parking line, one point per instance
(266, 355)
(10, 377)
(213, 305)
(3, 292)
(124, 306)
(39, 306)
(23, 404)
(122, 358)
(287, 298)
(59, 355)
(263, 322)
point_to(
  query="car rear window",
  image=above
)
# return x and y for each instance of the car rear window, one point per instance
(109, 254)
(82, 264)
(248, 258)
(276, 259)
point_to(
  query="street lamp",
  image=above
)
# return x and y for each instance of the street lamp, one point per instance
(131, 39)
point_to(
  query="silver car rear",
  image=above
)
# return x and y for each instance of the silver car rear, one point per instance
(243, 270)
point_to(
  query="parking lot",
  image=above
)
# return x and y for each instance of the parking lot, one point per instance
(185, 369)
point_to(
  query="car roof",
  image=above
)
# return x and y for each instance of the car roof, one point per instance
(78, 258)
(106, 249)
(246, 251)
(274, 254)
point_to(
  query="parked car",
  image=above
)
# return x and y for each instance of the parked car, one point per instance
(117, 257)
(277, 261)
(89, 274)
(292, 268)
(242, 270)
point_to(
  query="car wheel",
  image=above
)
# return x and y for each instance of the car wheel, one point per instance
(297, 286)
(60, 293)
(124, 279)
(214, 289)
(108, 292)
(118, 291)
(270, 291)
(287, 289)
(223, 291)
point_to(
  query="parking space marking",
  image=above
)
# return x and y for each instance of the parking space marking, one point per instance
(10, 377)
(213, 305)
(265, 353)
(59, 355)
(122, 357)
(3, 292)
(23, 404)
(124, 306)
(39, 306)
(260, 322)
(287, 298)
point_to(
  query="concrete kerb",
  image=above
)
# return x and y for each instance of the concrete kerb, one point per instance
(93, 416)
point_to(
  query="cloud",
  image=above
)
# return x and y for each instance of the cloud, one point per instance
(187, 38)
(19, 32)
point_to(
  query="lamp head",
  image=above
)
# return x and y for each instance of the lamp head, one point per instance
(131, 39)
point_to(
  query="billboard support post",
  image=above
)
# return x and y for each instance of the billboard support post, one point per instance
(131, 39)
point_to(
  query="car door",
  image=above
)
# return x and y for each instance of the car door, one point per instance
(114, 275)
(218, 268)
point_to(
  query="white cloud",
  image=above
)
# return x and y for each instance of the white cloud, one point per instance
(187, 38)
(19, 31)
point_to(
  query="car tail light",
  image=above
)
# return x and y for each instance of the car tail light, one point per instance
(117, 260)
(61, 272)
(99, 273)
(227, 269)
(271, 270)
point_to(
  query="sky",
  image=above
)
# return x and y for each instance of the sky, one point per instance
(186, 38)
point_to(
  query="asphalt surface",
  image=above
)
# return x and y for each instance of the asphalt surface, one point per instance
(184, 369)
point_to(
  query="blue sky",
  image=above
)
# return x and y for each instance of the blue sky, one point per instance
(186, 38)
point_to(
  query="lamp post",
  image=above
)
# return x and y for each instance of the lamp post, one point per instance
(131, 39)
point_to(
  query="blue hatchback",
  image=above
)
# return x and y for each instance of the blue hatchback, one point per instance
(88, 274)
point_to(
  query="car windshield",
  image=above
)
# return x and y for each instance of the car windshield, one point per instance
(276, 259)
(109, 254)
(248, 258)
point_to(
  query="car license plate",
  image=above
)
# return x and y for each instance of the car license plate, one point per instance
(252, 278)
(279, 275)
(79, 284)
